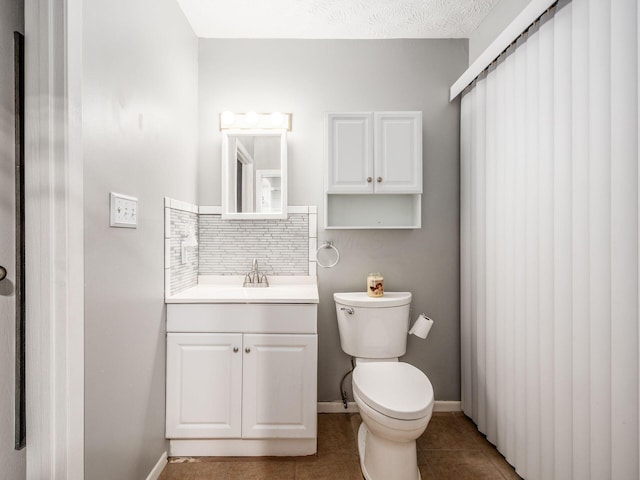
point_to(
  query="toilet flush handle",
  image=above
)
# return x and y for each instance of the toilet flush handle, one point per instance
(348, 310)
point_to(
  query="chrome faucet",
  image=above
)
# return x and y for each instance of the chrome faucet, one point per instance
(254, 278)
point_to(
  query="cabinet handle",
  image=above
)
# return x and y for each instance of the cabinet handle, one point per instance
(369, 179)
(235, 349)
(247, 350)
(379, 179)
(3, 273)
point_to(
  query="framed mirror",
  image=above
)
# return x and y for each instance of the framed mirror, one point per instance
(254, 174)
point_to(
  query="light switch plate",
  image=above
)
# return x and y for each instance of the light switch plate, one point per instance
(123, 210)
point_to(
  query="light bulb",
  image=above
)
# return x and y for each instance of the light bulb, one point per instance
(277, 119)
(251, 118)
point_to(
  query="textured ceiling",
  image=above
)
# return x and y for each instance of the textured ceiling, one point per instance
(335, 18)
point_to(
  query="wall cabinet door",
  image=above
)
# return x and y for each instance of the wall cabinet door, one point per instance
(279, 386)
(204, 385)
(378, 152)
(398, 152)
(349, 152)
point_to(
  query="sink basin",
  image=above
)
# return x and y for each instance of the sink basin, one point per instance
(229, 289)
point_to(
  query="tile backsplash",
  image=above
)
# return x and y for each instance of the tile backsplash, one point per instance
(227, 247)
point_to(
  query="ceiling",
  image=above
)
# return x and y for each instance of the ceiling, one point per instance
(335, 18)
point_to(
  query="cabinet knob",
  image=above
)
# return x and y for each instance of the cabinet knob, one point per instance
(369, 179)
(235, 349)
(379, 179)
(247, 350)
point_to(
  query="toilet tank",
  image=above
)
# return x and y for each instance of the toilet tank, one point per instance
(373, 327)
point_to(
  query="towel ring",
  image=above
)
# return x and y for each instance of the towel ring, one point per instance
(328, 245)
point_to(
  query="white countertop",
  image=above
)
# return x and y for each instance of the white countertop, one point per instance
(229, 289)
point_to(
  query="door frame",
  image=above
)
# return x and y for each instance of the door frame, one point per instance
(54, 239)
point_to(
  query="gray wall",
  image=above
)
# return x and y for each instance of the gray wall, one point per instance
(310, 77)
(140, 139)
(12, 463)
(495, 22)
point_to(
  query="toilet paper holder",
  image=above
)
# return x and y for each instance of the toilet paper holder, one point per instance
(421, 327)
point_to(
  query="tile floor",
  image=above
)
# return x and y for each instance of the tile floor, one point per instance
(450, 449)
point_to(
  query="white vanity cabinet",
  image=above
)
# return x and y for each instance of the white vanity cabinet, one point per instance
(241, 379)
(204, 385)
(279, 386)
(373, 170)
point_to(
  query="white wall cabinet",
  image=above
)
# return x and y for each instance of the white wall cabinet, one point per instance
(397, 152)
(378, 152)
(373, 170)
(237, 393)
(350, 152)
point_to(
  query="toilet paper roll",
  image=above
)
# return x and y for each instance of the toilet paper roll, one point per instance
(421, 326)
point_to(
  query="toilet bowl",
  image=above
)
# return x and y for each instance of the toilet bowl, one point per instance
(395, 401)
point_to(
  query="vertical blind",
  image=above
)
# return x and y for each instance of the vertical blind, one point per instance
(549, 246)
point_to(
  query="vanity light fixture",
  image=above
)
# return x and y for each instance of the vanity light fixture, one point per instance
(254, 120)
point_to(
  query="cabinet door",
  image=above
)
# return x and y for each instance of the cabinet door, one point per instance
(398, 152)
(279, 386)
(349, 152)
(204, 385)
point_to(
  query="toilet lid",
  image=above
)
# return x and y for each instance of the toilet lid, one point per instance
(395, 389)
(361, 299)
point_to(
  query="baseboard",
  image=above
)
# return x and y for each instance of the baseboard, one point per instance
(447, 406)
(157, 469)
(243, 447)
(338, 407)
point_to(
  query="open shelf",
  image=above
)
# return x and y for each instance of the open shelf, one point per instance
(373, 211)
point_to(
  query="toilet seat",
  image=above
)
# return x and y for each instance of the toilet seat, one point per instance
(396, 389)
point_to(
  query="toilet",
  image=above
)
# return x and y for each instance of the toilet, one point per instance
(395, 398)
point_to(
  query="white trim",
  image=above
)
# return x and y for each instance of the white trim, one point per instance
(167, 223)
(338, 407)
(528, 15)
(159, 466)
(243, 447)
(243, 154)
(74, 202)
(210, 210)
(217, 209)
(180, 205)
(298, 209)
(54, 240)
